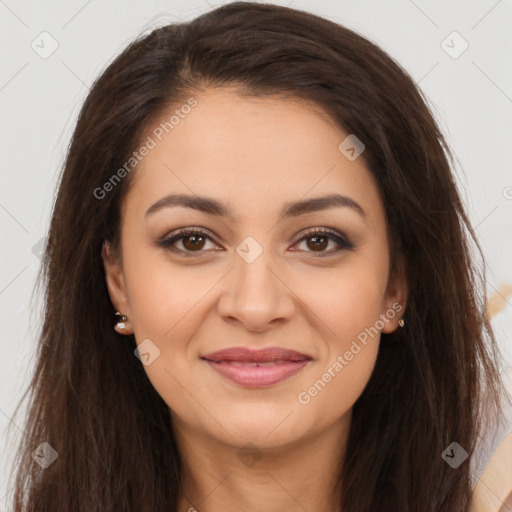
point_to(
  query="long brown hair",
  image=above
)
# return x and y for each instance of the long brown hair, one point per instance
(90, 398)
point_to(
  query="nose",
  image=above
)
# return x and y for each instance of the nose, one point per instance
(256, 296)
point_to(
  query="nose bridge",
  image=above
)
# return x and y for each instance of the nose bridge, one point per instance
(256, 295)
(254, 281)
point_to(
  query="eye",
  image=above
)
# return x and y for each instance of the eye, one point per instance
(193, 240)
(318, 240)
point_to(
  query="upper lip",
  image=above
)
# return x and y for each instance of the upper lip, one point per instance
(243, 354)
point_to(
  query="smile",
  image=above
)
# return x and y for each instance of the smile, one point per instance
(256, 368)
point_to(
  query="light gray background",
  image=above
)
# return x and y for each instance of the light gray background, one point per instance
(471, 97)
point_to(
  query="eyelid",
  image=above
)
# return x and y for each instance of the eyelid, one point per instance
(342, 241)
(167, 241)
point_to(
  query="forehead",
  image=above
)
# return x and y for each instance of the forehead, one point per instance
(254, 154)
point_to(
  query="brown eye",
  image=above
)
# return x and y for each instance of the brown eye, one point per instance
(192, 241)
(318, 240)
(317, 243)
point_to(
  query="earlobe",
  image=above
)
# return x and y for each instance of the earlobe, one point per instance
(114, 278)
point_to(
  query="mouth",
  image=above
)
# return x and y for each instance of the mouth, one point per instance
(257, 368)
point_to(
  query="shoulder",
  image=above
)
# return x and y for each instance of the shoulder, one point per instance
(491, 466)
(493, 491)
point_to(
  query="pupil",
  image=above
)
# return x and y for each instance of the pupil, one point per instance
(193, 245)
(316, 244)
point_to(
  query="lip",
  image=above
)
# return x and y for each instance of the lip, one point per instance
(242, 365)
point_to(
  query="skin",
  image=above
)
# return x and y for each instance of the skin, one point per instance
(255, 155)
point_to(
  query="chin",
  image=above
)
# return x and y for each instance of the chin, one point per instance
(269, 433)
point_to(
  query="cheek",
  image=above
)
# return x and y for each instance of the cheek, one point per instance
(333, 392)
(166, 307)
(349, 304)
(164, 295)
(349, 349)
(347, 300)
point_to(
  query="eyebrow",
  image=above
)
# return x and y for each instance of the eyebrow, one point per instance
(212, 206)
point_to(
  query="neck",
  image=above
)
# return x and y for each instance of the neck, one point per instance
(296, 477)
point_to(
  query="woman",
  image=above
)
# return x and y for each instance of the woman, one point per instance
(258, 278)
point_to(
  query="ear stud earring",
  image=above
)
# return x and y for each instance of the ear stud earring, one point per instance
(120, 326)
(401, 322)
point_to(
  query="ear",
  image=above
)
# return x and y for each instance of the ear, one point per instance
(395, 300)
(114, 277)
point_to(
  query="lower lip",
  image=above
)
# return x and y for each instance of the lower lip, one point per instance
(258, 376)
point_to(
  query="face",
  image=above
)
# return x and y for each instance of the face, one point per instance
(310, 277)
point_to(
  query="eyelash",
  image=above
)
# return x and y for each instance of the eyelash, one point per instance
(342, 242)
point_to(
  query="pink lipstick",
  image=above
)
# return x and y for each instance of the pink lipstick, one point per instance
(257, 368)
